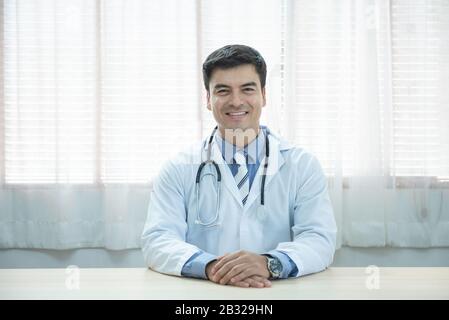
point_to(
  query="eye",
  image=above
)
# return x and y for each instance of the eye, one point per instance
(248, 89)
(222, 91)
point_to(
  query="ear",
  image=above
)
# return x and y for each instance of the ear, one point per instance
(208, 101)
(264, 102)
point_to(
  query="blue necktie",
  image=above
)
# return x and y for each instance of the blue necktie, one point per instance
(242, 177)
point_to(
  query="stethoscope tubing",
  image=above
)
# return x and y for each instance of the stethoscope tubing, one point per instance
(214, 221)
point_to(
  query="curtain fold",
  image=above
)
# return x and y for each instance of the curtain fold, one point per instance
(67, 217)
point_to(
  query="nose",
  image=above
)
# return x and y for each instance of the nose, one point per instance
(236, 100)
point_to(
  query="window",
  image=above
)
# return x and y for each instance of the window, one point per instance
(420, 73)
(104, 91)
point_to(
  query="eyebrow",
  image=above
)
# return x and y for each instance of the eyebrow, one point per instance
(248, 84)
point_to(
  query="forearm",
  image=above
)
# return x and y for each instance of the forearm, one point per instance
(166, 254)
(310, 252)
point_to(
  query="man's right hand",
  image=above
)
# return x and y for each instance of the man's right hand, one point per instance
(252, 281)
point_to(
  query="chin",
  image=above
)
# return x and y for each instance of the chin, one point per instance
(237, 126)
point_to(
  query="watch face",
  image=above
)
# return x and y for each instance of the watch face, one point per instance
(275, 267)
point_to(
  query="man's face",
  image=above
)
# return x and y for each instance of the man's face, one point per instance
(236, 98)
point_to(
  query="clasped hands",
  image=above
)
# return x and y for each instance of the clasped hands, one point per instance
(242, 269)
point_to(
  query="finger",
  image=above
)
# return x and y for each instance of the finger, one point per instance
(254, 283)
(223, 260)
(266, 282)
(246, 273)
(250, 270)
(223, 271)
(235, 271)
(242, 284)
(222, 256)
(220, 273)
(229, 257)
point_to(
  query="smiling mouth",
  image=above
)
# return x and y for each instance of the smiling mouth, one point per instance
(237, 114)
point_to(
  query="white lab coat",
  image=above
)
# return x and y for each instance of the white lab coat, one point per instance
(298, 217)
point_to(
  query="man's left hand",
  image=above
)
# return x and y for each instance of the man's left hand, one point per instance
(235, 267)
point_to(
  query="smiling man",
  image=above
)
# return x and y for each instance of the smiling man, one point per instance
(244, 207)
(236, 98)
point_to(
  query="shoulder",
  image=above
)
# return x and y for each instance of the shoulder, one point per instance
(301, 158)
(295, 155)
(298, 159)
(304, 168)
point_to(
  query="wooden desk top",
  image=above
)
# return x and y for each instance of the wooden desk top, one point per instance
(141, 283)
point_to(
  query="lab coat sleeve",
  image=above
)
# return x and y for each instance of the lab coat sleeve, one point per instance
(195, 267)
(313, 227)
(163, 240)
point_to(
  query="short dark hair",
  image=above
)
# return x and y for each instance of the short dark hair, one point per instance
(232, 56)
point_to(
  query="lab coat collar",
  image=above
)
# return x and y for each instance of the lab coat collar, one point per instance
(255, 150)
(276, 161)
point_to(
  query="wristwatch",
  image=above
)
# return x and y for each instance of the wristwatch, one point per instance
(274, 266)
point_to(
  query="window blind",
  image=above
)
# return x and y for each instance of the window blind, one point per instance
(149, 86)
(323, 72)
(106, 91)
(98, 91)
(325, 67)
(420, 74)
(49, 91)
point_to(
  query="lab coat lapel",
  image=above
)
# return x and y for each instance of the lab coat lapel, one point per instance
(275, 162)
(227, 178)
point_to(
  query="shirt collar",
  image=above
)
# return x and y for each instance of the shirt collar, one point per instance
(254, 150)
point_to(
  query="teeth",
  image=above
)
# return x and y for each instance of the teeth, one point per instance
(237, 113)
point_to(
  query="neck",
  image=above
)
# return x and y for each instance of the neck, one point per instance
(239, 137)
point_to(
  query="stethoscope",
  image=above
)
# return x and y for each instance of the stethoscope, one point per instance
(214, 221)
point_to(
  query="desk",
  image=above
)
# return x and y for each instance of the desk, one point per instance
(141, 283)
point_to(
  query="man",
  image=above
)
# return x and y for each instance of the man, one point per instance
(260, 212)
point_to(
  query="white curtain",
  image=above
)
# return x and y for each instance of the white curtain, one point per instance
(96, 94)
